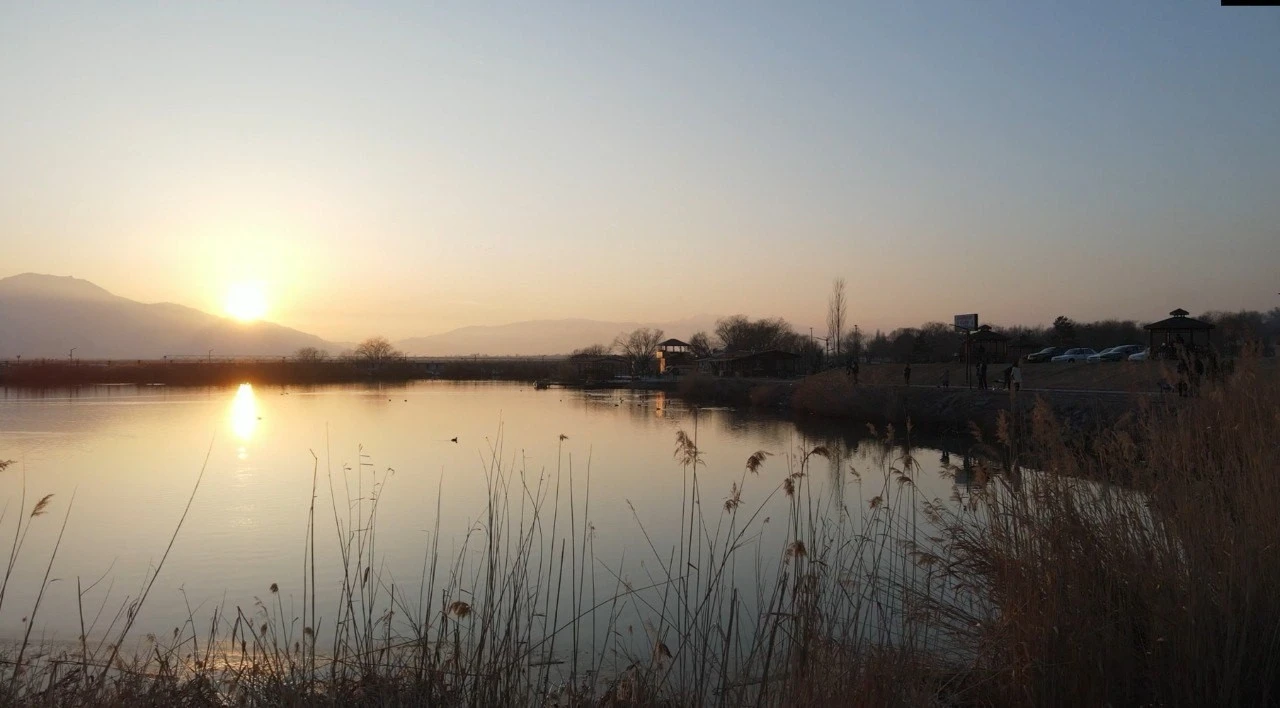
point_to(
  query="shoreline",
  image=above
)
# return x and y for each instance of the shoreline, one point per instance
(1082, 396)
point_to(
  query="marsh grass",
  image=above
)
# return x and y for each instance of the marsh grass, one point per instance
(1134, 567)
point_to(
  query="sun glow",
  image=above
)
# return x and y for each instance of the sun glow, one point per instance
(247, 301)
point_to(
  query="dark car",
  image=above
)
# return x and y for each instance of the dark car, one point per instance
(1044, 355)
(1120, 353)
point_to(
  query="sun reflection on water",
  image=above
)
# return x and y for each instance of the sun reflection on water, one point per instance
(244, 414)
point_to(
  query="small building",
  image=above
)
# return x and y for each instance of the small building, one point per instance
(675, 358)
(1178, 331)
(770, 363)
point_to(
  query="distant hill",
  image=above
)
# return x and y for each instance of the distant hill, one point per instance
(539, 337)
(47, 315)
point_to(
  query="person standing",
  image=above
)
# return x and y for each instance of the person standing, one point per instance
(982, 375)
(946, 378)
(906, 374)
(1015, 375)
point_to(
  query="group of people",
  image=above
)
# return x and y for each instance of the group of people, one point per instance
(1012, 375)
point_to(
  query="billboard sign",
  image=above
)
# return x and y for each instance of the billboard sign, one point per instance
(967, 322)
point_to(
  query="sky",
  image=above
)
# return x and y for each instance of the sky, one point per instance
(407, 168)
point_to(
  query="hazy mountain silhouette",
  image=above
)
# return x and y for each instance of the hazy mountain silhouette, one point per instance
(538, 337)
(46, 315)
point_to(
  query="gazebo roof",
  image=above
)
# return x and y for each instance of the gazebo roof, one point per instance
(985, 334)
(1178, 321)
(673, 342)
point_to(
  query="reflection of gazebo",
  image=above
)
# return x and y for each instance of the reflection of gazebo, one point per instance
(1178, 329)
(985, 342)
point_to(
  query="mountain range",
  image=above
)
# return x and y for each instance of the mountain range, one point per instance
(45, 316)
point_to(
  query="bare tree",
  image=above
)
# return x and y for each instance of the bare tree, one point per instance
(700, 343)
(591, 352)
(836, 315)
(638, 347)
(310, 355)
(852, 343)
(741, 334)
(377, 350)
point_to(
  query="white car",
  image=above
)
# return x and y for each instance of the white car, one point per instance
(1071, 356)
(1140, 356)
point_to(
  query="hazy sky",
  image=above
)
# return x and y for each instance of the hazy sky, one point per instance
(414, 167)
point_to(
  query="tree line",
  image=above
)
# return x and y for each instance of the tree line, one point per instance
(936, 341)
(932, 341)
(731, 335)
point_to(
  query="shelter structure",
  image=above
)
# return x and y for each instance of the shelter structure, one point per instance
(1178, 331)
(986, 342)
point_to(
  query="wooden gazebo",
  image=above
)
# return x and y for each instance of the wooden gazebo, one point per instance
(1178, 330)
(984, 341)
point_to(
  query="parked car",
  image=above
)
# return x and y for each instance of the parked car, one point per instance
(1071, 356)
(1119, 353)
(1142, 355)
(1045, 355)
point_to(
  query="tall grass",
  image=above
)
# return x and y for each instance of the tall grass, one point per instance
(1135, 567)
(1161, 587)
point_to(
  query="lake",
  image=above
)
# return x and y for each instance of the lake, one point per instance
(130, 456)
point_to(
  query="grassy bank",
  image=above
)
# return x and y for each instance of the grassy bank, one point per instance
(1033, 587)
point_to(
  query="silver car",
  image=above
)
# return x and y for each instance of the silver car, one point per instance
(1071, 356)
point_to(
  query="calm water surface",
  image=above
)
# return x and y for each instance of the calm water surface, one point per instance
(131, 455)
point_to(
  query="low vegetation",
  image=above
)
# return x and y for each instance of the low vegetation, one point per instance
(1138, 568)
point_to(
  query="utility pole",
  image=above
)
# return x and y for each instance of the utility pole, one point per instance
(210, 356)
(71, 355)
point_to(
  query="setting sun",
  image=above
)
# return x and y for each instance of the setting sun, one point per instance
(247, 301)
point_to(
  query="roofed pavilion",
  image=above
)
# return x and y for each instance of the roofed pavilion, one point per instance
(1179, 329)
(990, 343)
